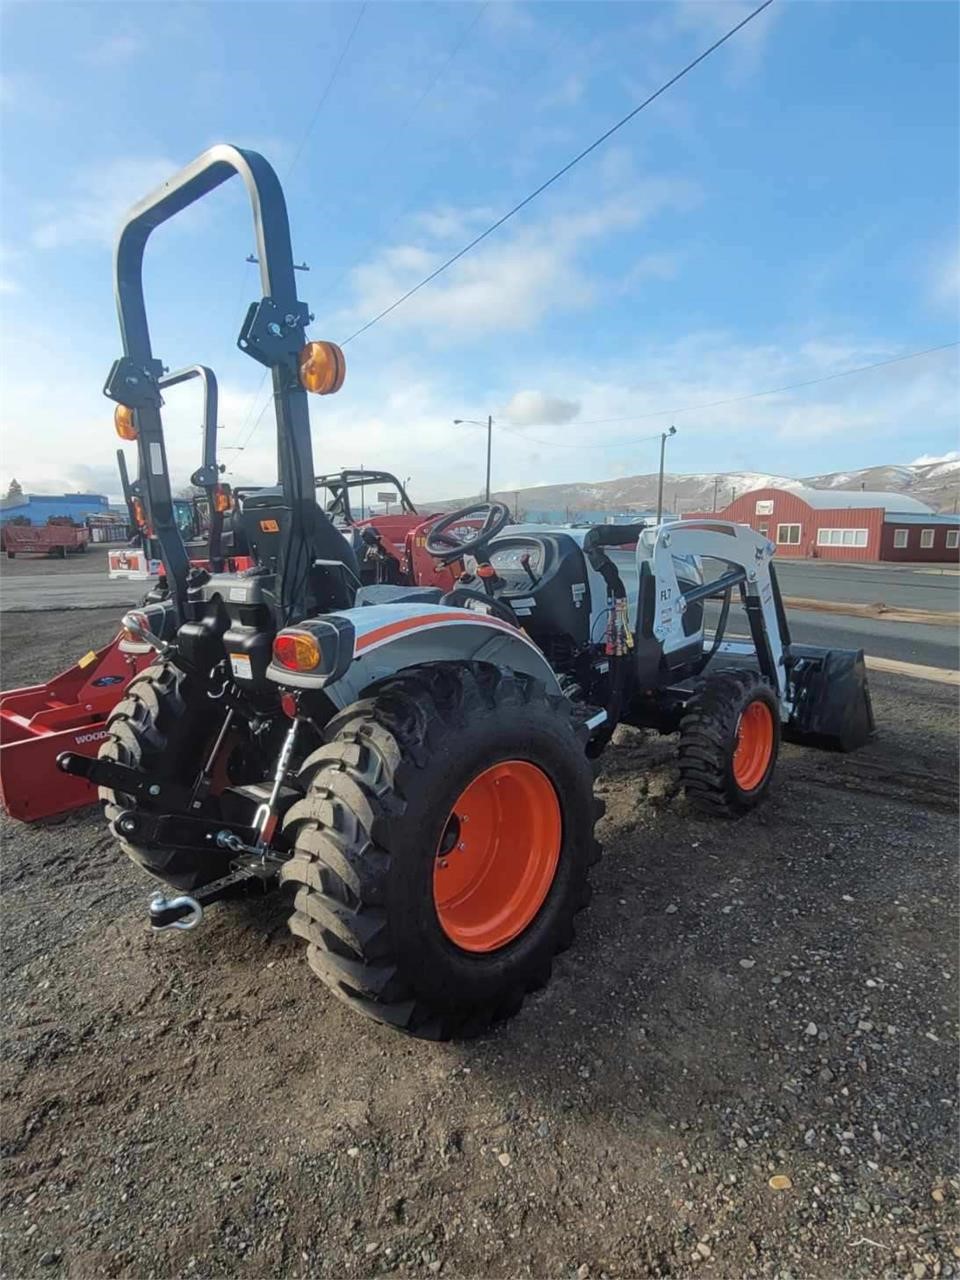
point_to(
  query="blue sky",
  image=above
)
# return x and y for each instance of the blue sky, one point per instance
(787, 211)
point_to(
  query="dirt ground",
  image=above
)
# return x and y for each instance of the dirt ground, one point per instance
(773, 997)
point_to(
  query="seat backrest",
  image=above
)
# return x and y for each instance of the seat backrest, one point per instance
(263, 520)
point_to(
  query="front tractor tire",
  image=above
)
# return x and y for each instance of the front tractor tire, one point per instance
(442, 848)
(729, 742)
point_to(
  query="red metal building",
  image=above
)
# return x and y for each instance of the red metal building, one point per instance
(833, 524)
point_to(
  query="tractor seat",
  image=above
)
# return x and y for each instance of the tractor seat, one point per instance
(384, 593)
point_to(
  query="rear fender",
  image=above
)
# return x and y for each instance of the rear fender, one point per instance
(363, 646)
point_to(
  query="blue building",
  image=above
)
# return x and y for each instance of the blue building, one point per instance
(39, 507)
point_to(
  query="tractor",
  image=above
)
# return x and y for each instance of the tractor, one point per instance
(389, 544)
(415, 764)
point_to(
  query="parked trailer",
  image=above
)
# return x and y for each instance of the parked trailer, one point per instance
(44, 540)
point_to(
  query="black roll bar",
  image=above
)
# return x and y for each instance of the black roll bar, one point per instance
(272, 333)
(127, 488)
(208, 473)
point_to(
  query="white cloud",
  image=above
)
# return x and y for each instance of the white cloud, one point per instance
(710, 19)
(508, 17)
(567, 94)
(397, 414)
(529, 408)
(116, 49)
(25, 93)
(448, 223)
(90, 213)
(515, 278)
(946, 278)
(651, 266)
(8, 286)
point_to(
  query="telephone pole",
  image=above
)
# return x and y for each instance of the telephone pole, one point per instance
(663, 445)
(489, 425)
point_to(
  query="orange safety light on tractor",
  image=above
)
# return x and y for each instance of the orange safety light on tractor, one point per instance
(296, 651)
(322, 368)
(123, 422)
(222, 501)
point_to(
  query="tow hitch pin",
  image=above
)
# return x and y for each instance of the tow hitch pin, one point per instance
(162, 908)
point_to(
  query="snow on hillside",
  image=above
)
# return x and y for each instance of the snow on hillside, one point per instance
(935, 481)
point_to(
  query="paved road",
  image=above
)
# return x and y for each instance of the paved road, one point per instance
(906, 641)
(935, 646)
(933, 587)
(29, 591)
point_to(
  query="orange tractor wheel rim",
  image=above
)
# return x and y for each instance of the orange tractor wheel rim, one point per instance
(498, 856)
(751, 756)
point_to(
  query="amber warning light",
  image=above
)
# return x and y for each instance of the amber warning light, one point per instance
(124, 423)
(322, 368)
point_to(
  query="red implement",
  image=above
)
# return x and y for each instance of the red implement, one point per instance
(66, 714)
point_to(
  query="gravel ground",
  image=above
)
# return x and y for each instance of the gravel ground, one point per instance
(750, 1006)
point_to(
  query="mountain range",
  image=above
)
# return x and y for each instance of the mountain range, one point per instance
(935, 482)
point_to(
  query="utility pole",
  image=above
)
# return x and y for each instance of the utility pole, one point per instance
(716, 486)
(489, 442)
(663, 445)
(489, 424)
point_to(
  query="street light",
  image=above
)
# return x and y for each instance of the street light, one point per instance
(663, 445)
(489, 425)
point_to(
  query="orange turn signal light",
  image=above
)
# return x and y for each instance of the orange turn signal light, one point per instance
(322, 368)
(221, 498)
(124, 423)
(139, 514)
(296, 650)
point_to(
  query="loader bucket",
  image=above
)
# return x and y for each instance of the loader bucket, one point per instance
(831, 699)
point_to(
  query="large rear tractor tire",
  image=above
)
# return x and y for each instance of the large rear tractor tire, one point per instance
(442, 848)
(729, 742)
(165, 725)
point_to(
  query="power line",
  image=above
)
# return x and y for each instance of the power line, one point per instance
(754, 395)
(452, 53)
(710, 404)
(387, 227)
(563, 444)
(325, 93)
(560, 172)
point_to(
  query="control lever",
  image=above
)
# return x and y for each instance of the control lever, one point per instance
(525, 561)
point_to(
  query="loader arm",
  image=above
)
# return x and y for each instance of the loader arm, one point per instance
(748, 558)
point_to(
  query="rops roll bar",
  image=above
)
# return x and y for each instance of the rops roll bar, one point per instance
(272, 333)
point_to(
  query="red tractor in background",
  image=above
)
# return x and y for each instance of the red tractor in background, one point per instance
(390, 546)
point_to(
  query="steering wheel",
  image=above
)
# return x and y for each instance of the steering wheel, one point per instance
(446, 548)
